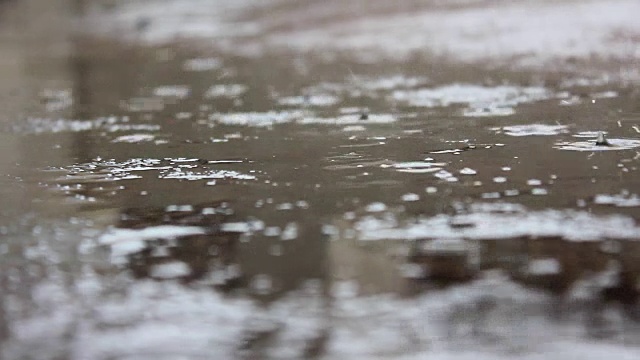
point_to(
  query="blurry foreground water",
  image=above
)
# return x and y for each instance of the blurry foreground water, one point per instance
(179, 202)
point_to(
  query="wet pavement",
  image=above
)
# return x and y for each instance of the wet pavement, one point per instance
(179, 198)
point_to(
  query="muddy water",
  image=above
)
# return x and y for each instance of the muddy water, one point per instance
(167, 202)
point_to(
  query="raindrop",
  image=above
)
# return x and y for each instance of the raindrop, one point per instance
(602, 140)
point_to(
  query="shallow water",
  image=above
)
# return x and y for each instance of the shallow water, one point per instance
(191, 203)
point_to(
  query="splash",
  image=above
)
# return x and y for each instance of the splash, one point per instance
(592, 146)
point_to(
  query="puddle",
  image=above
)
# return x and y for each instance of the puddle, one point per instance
(314, 205)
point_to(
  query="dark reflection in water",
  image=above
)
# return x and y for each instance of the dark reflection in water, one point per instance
(305, 206)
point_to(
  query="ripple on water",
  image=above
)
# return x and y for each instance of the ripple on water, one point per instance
(531, 130)
(202, 64)
(416, 167)
(590, 145)
(257, 119)
(110, 124)
(488, 111)
(172, 91)
(350, 119)
(225, 91)
(134, 138)
(319, 100)
(267, 119)
(476, 97)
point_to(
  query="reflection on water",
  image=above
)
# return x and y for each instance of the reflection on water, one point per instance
(207, 205)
